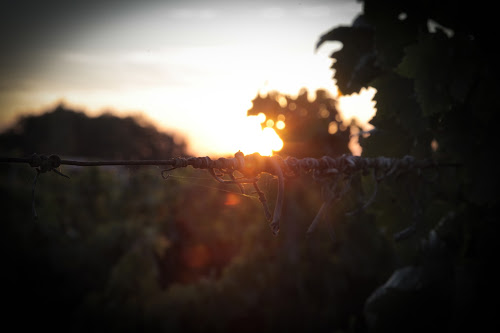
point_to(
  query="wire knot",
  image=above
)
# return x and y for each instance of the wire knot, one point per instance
(179, 162)
(42, 163)
(240, 158)
(199, 162)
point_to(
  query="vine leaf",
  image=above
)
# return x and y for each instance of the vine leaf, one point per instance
(355, 63)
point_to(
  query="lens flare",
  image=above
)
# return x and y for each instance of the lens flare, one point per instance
(280, 124)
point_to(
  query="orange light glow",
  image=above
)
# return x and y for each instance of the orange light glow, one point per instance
(272, 139)
(253, 139)
(196, 256)
(261, 117)
(232, 199)
(360, 107)
(333, 127)
(280, 124)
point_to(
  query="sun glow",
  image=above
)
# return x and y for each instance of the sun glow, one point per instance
(153, 67)
(254, 139)
(360, 107)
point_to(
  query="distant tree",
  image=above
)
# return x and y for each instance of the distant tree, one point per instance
(311, 128)
(66, 132)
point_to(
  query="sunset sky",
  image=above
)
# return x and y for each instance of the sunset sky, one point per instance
(192, 67)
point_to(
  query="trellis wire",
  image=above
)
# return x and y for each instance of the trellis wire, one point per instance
(325, 169)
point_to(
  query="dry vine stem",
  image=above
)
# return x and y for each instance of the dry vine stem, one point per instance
(251, 166)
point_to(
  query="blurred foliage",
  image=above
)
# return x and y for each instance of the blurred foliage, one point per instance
(72, 133)
(121, 249)
(111, 240)
(312, 128)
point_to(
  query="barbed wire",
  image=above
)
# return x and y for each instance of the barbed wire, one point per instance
(334, 172)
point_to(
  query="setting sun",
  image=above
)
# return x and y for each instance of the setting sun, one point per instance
(254, 139)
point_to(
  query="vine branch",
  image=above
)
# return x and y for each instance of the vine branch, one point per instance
(252, 166)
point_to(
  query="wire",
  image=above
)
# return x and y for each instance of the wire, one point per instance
(251, 167)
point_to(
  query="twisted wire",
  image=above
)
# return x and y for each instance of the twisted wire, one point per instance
(251, 166)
